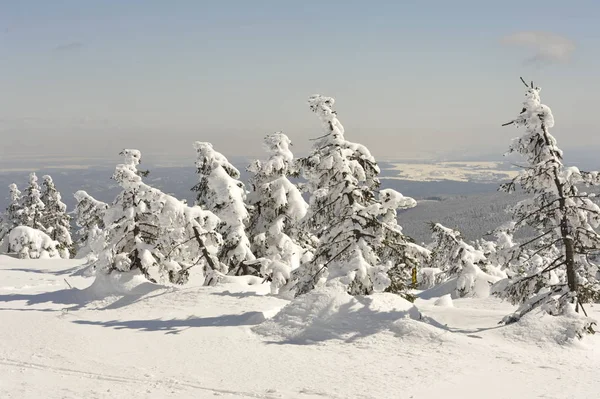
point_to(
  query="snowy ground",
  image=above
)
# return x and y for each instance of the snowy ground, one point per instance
(202, 342)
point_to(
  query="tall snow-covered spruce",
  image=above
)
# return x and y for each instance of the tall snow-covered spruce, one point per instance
(361, 249)
(277, 208)
(55, 218)
(220, 191)
(558, 275)
(155, 233)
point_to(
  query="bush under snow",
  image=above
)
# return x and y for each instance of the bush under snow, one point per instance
(30, 243)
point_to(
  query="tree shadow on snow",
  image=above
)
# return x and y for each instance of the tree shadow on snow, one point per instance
(75, 299)
(351, 323)
(61, 272)
(237, 294)
(71, 297)
(175, 326)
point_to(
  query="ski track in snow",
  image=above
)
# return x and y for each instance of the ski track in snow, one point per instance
(197, 342)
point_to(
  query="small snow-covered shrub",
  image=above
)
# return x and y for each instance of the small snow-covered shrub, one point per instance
(30, 243)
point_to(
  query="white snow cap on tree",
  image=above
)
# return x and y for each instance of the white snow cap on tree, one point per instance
(55, 218)
(277, 208)
(558, 274)
(220, 191)
(346, 215)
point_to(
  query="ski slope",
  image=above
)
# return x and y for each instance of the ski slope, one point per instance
(138, 340)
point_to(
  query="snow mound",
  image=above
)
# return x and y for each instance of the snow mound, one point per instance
(331, 314)
(444, 301)
(541, 328)
(131, 283)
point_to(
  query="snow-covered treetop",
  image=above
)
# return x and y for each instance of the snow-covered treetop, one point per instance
(33, 180)
(15, 194)
(89, 210)
(51, 195)
(353, 160)
(537, 145)
(126, 173)
(209, 159)
(131, 157)
(82, 195)
(280, 160)
(323, 107)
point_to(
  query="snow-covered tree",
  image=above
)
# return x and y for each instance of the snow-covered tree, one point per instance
(459, 263)
(89, 217)
(155, 233)
(502, 250)
(32, 214)
(220, 191)
(559, 276)
(55, 218)
(405, 256)
(277, 208)
(12, 217)
(346, 214)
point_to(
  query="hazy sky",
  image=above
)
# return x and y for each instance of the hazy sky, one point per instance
(410, 77)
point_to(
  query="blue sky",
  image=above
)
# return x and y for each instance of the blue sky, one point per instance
(411, 78)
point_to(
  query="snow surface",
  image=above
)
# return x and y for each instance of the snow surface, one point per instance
(121, 336)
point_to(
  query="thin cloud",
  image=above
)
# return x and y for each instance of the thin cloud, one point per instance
(544, 47)
(69, 47)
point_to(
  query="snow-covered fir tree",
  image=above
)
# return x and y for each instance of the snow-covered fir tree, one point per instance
(55, 218)
(277, 208)
(155, 233)
(89, 217)
(346, 214)
(32, 214)
(559, 275)
(220, 191)
(12, 217)
(501, 251)
(464, 267)
(405, 256)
